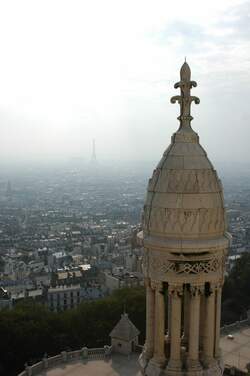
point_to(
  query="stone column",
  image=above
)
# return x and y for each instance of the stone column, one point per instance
(169, 317)
(217, 322)
(174, 363)
(150, 319)
(202, 318)
(209, 330)
(194, 324)
(159, 329)
(186, 314)
(168, 337)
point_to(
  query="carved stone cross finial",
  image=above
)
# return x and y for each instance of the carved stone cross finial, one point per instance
(185, 99)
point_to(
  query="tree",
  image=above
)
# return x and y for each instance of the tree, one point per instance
(30, 330)
(235, 297)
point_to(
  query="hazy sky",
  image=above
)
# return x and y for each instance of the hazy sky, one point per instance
(71, 71)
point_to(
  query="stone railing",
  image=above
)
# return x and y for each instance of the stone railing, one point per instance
(66, 357)
(227, 329)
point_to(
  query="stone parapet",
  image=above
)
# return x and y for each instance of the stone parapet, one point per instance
(66, 357)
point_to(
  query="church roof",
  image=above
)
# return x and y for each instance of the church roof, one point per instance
(185, 197)
(124, 329)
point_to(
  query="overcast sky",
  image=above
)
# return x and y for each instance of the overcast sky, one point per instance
(71, 71)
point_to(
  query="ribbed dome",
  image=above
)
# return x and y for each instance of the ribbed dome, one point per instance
(184, 198)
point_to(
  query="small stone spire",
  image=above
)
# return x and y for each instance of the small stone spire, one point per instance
(185, 99)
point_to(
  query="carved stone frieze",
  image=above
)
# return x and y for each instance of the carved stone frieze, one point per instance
(164, 266)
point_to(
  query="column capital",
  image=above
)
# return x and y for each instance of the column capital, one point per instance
(196, 290)
(215, 287)
(156, 285)
(175, 291)
(219, 285)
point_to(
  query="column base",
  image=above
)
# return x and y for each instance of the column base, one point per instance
(218, 354)
(173, 368)
(194, 368)
(143, 361)
(214, 368)
(154, 368)
(209, 363)
(172, 372)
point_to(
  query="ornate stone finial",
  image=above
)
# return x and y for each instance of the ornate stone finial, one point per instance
(185, 99)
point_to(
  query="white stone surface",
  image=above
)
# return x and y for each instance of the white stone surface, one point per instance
(236, 352)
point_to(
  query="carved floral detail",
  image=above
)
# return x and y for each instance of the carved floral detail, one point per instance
(185, 99)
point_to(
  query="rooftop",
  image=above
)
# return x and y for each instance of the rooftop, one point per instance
(117, 365)
(236, 351)
(64, 288)
(124, 329)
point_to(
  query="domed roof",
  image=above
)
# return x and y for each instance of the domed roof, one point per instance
(185, 197)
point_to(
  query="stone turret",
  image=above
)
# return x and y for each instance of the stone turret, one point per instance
(185, 244)
(124, 336)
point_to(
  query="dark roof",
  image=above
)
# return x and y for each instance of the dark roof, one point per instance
(124, 329)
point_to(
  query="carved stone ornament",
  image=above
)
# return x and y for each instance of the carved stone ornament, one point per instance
(196, 290)
(157, 285)
(215, 287)
(175, 291)
(162, 266)
(185, 99)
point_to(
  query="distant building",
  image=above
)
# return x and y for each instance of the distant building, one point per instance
(5, 299)
(114, 282)
(63, 297)
(35, 295)
(93, 160)
(84, 274)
